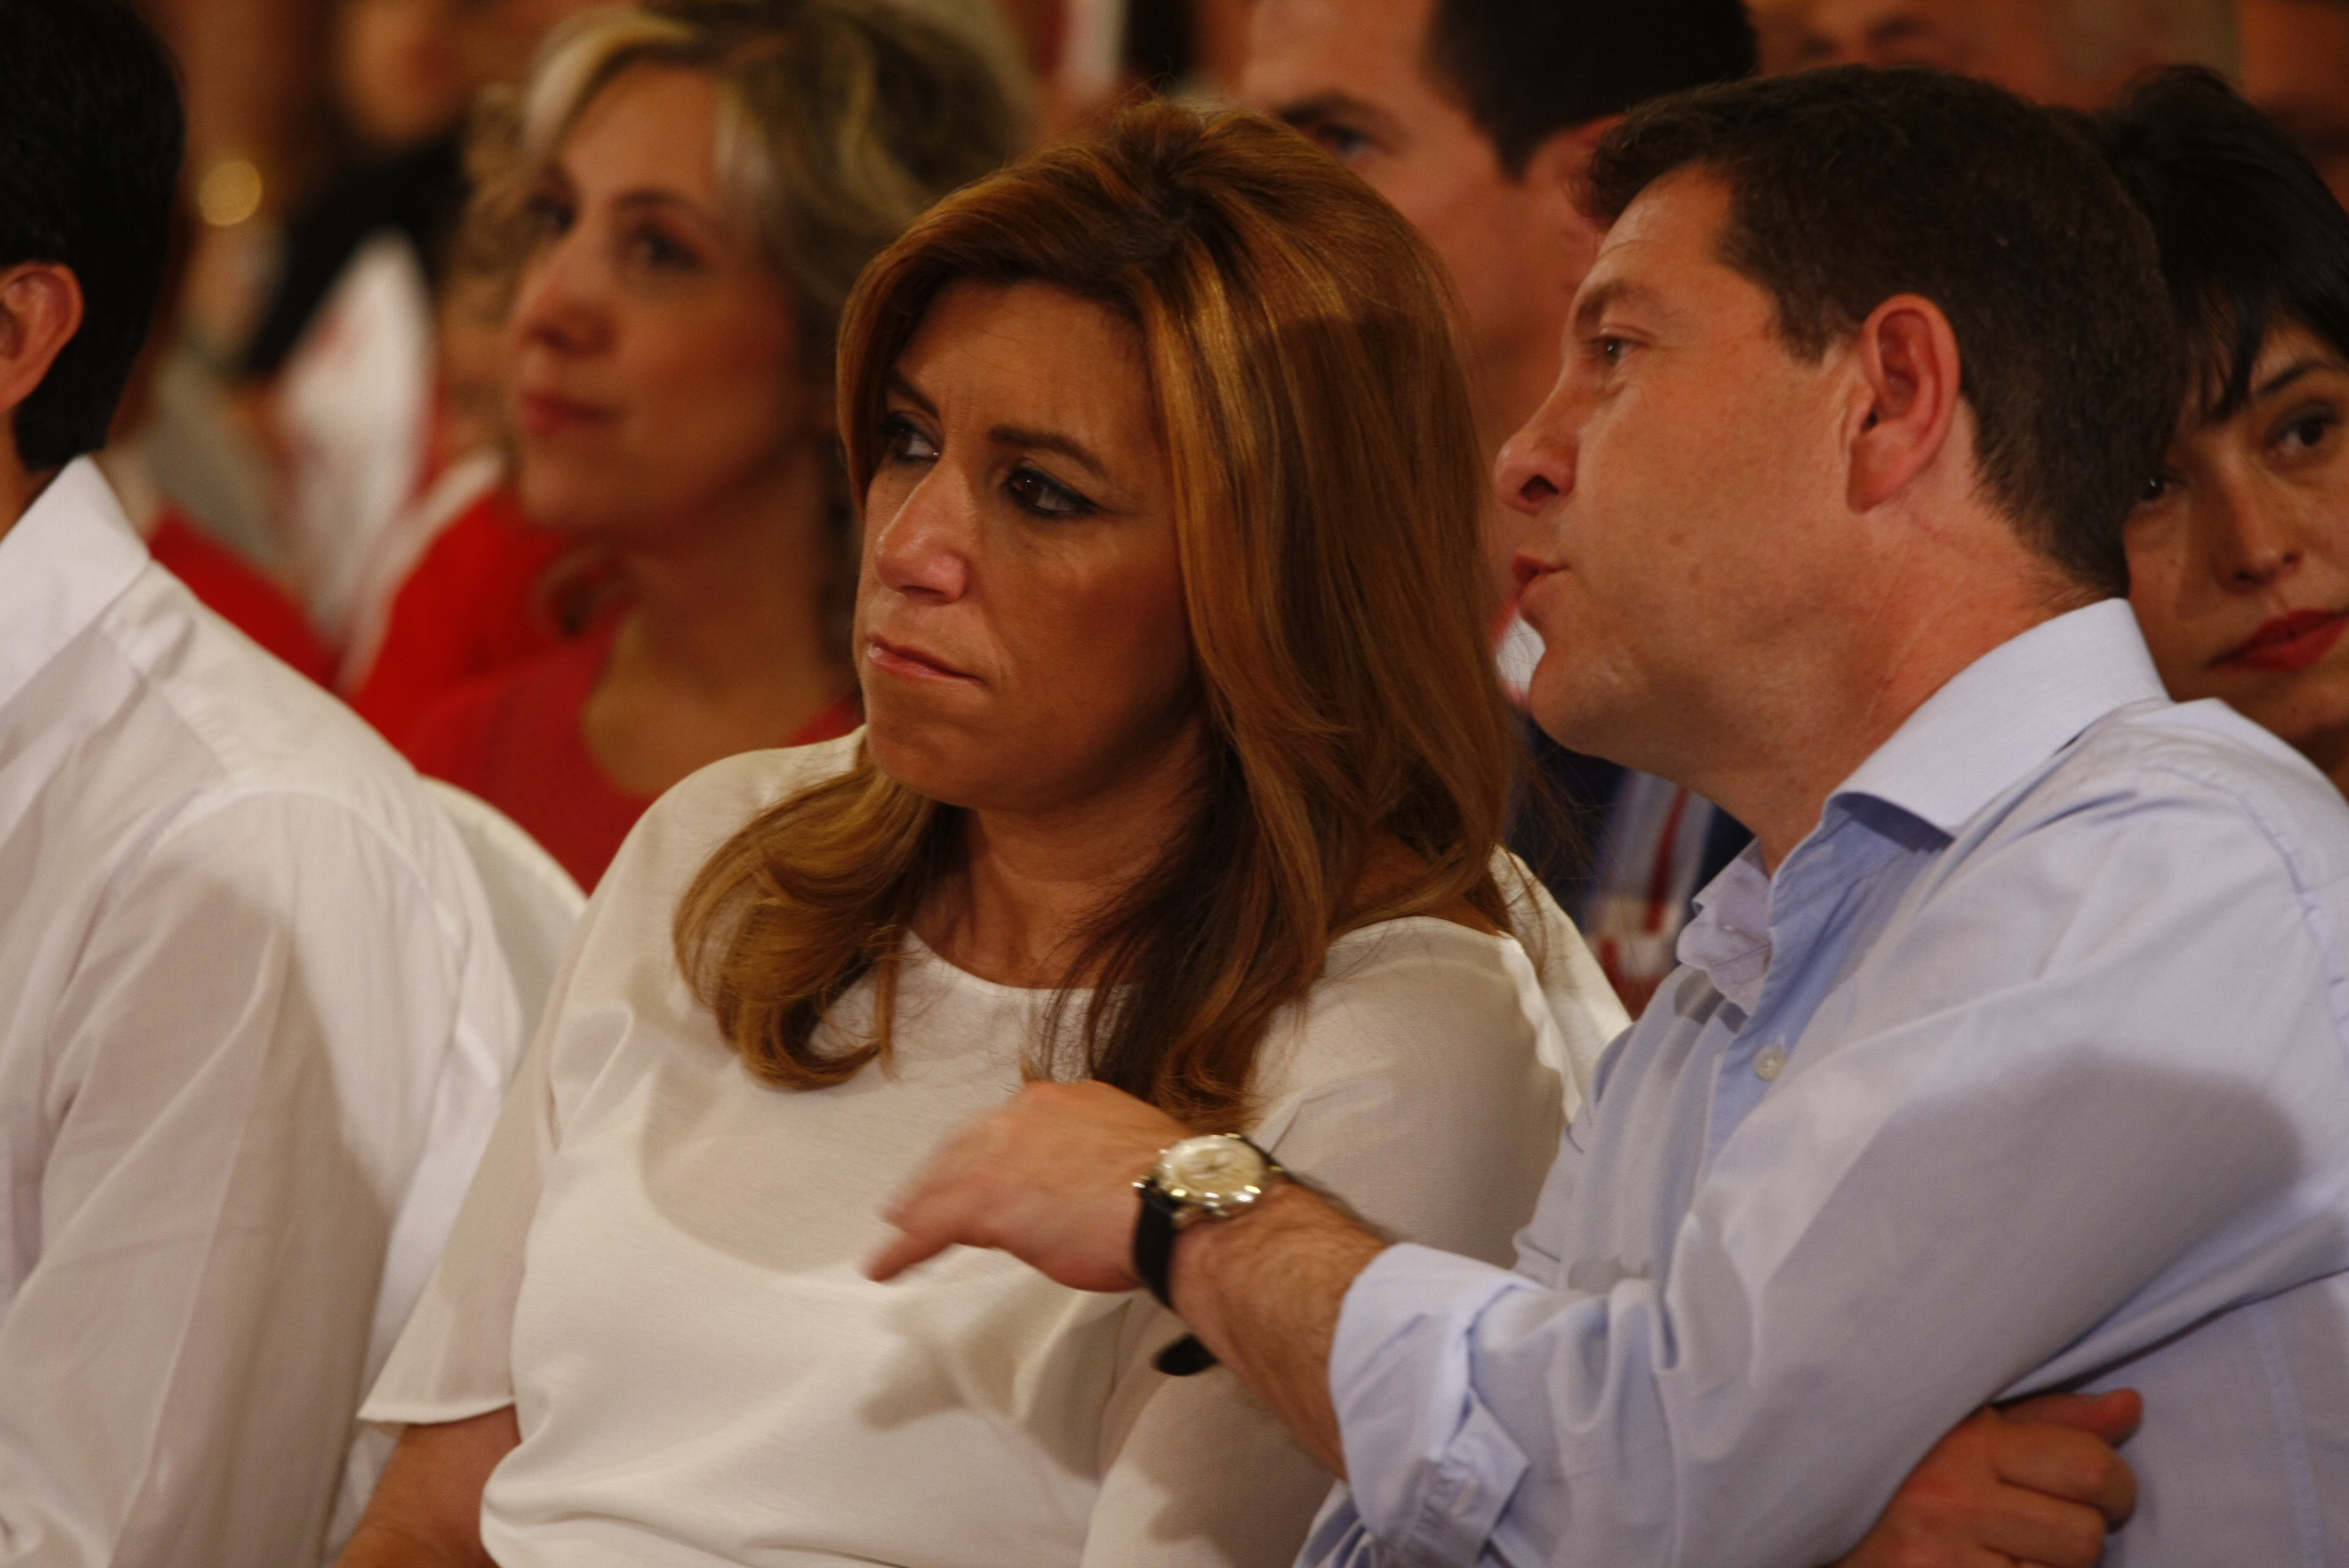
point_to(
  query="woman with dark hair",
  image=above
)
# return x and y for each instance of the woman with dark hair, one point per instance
(1185, 769)
(2239, 555)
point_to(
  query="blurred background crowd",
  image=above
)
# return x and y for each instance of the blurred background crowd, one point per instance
(321, 441)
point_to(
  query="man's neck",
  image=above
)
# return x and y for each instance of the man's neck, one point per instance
(1815, 731)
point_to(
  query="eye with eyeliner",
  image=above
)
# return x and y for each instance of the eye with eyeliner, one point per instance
(1040, 495)
(904, 441)
(2314, 424)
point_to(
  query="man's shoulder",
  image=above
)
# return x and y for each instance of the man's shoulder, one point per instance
(2170, 851)
(191, 719)
(2197, 770)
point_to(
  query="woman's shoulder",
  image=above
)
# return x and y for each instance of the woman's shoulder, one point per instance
(686, 826)
(1428, 995)
(750, 781)
(1447, 953)
(624, 960)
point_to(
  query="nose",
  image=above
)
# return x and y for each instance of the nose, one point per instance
(922, 548)
(2250, 544)
(1536, 465)
(560, 305)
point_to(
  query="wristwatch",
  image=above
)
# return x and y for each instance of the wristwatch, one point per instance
(1210, 1178)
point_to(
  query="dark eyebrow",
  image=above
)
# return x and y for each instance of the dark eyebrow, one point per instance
(2289, 373)
(897, 383)
(1047, 441)
(1595, 303)
(1068, 446)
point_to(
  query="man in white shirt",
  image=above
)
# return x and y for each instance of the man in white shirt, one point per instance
(2015, 1054)
(253, 1023)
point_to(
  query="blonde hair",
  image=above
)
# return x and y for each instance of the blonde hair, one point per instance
(1327, 495)
(839, 122)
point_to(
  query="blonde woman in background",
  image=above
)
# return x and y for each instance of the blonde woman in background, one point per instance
(691, 188)
(1161, 442)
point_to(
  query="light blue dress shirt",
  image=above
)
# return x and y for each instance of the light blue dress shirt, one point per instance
(2025, 1071)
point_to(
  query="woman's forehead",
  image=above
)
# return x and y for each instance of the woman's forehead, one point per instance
(651, 121)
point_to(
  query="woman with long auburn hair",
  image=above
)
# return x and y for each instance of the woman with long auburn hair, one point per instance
(1185, 769)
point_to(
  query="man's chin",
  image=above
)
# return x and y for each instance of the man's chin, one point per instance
(1565, 710)
(1581, 717)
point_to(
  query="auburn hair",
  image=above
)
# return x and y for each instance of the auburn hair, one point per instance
(1300, 344)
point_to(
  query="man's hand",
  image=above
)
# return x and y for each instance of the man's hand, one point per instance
(2037, 1483)
(1049, 1179)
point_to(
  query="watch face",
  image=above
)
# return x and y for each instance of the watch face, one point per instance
(1212, 1170)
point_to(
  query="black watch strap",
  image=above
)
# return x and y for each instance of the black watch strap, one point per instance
(1154, 1243)
(1154, 1264)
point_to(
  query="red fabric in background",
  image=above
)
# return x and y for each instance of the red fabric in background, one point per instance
(239, 594)
(472, 607)
(517, 739)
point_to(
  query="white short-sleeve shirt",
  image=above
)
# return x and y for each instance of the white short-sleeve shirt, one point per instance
(660, 1263)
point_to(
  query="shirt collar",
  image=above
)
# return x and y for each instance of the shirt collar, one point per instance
(69, 556)
(1729, 937)
(2007, 713)
(1989, 727)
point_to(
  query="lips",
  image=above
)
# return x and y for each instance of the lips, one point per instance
(2289, 643)
(911, 663)
(545, 414)
(1528, 569)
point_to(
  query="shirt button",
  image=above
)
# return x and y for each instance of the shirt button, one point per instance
(1769, 1064)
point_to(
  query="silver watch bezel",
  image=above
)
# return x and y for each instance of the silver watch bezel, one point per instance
(1221, 1198)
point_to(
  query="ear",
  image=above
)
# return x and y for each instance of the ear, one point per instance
(40, 311)
(1555, 168)
(1907, 353)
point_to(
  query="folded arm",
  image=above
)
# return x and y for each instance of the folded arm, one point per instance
(1049, 1178)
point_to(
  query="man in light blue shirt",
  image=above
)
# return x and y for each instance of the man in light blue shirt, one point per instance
(2010, 1058)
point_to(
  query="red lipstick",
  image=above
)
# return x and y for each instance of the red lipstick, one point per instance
(2289, 643)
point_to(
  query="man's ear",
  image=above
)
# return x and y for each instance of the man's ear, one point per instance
(40, 311)
(1554, 172)
(1906, 353)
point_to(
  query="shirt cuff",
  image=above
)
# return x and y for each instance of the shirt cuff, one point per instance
(1430, 1469)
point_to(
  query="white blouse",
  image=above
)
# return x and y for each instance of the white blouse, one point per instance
(659, 1264)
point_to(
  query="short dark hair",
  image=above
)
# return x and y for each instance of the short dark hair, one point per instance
(1852, 185)
(2251, 237)
(1530, 68)
(91, 139)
